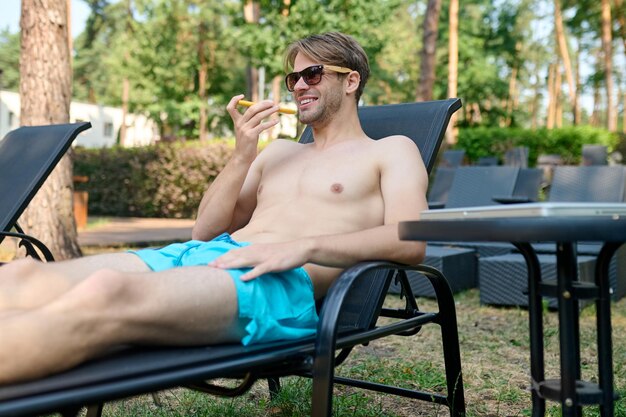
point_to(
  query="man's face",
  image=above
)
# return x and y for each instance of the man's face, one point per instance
(317, 103)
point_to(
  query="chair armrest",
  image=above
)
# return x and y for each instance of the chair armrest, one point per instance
(331, 308)
(511, 199)
(326, 340)
(30, 243)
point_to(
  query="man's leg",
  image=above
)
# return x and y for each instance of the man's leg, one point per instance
(27, 283)
(182, 306)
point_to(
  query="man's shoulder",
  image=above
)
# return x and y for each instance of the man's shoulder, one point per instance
(279, 148)
(400, 143)
(278, 144)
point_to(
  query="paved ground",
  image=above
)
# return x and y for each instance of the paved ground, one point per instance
(137, 231)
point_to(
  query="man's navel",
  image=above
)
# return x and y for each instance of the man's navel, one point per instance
(336, 188)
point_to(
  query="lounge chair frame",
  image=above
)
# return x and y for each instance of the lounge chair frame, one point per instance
(348, 318)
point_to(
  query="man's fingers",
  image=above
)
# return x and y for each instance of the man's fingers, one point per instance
(258, 112)
(266, 125)
(231, 107)
(255, 272)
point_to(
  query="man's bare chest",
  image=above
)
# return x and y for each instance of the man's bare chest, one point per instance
(341, 177)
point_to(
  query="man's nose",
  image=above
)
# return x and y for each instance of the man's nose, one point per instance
(301, 85)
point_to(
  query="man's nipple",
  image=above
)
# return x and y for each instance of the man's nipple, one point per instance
(336, 188)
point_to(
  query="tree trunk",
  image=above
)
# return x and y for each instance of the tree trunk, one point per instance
(621, 19)
(125, 98)
(70, 41)
(551, 96)
(126, 81)
(510, 103)
(621, 95)
(534, 112)
(202, 75)
(277, 82)
(595, 114)
(607, 49)
(427, 62)
(578, 110)
(252, 14)
(453, 67)
(45, 90)
(558, 103)
(564, 54)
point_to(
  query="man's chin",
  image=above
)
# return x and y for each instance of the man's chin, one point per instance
(307, 117)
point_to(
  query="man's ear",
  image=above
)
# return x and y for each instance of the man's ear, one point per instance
(352, 82)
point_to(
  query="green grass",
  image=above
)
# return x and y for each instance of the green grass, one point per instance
(495, 358)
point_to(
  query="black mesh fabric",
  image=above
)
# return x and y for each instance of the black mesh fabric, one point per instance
(425, 123)
(588, 184)
(476, 186)
(27, 156)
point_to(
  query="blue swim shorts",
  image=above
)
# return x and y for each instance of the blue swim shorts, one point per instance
(278, 305)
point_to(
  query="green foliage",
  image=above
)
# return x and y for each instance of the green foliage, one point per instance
(167, 180)
(567, 142)
(9, 60)
(264, 42)
(159, 47)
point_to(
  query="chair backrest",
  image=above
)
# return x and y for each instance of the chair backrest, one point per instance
(594, 155)
(440, 186)
(517, 157)
(588, 184)
(425, 123)
(485, 161)
(528, 184)
(27, 156)
(452, 158)
(478, 185)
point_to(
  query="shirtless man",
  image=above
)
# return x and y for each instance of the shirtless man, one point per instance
(297, 215)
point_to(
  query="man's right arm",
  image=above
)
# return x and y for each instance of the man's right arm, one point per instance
(231, 198)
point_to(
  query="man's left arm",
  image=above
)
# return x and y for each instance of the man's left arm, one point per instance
(404, 182)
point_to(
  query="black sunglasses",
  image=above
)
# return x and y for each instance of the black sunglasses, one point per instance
(311, 75)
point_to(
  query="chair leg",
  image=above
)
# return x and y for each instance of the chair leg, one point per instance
(156, 399)
(450, 339)
(95, 410)
(274, 387)
(323, 376)
(70, 412)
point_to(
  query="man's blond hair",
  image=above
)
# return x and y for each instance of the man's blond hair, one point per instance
(332, 48)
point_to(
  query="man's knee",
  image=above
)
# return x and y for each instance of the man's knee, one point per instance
(106, 288)
(19, 269)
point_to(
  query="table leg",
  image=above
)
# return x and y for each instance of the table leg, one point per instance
(535, 324)
(603, 322)
(569, 340)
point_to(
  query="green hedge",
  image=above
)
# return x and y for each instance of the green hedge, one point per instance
(567, 142)
(167, 180)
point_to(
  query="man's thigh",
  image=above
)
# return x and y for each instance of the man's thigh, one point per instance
(27, 283)
(178, 306)
(80, 268)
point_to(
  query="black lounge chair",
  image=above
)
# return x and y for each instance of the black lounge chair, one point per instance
(348, 318)
(27, 156)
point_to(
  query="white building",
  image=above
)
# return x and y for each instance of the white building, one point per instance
(105, 123)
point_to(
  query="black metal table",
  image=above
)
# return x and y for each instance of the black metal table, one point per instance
(569, 390)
